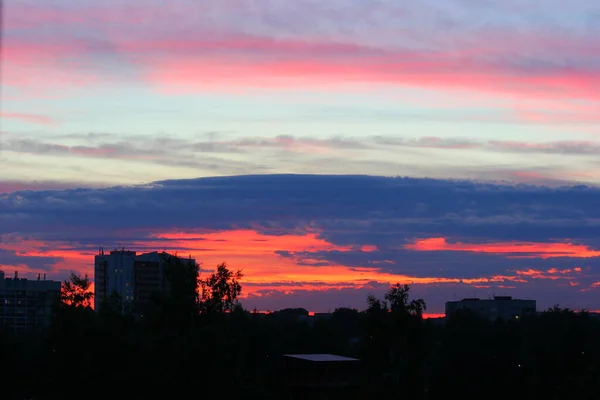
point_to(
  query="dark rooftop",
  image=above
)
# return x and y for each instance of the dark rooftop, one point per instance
(321, 357)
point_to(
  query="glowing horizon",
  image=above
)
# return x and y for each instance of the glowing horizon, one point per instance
(298, 262)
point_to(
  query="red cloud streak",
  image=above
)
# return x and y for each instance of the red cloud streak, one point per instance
(511, 249)
(253, 252)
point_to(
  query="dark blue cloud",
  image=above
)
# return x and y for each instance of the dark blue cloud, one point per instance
(349, 209)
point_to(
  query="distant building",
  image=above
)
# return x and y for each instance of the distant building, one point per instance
(321, 376)
(135, 278)
(26, 304)
(500, 307)
(313, 317)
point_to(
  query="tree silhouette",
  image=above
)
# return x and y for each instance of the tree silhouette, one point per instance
(553, 355)
(219, 292)
(397, 297)
(75, 291)
(394, 344)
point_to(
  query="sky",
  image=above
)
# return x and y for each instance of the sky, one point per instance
(328, 149)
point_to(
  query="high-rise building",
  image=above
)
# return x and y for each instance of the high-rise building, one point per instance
(500, 307)
(26, 304)
(135, 278)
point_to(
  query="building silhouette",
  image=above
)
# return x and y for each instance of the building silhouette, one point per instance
(26, 304)
(500, 307)
(136, 278)
(320, 376)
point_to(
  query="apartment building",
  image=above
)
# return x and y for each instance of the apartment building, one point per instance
(500, 307)
(26, 304)
(135, 277)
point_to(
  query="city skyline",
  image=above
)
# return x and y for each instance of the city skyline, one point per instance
(322, 242)
(269, 136)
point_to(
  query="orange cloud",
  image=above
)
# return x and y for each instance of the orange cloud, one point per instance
(272, 263)
(511, 249)
(552, 273)
(68, 259)
(563, 271)
(257, 254)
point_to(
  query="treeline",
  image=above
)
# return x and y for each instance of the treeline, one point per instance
(204, 344)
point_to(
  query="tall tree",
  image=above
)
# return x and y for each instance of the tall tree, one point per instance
(393, 328)
(219, 292)
(397, 297)
(75, 291)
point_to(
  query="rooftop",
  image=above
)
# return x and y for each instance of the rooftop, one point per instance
(321, 357)
(495, 298)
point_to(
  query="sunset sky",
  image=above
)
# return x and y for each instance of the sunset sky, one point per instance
(451, 144)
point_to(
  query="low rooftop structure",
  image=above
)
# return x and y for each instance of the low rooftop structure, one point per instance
(321, 357)
(320, 376)
(500, 307)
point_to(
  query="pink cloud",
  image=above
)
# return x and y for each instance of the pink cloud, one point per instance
(31, 118)
(220, 61)
(49, 67)
(255, 62)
